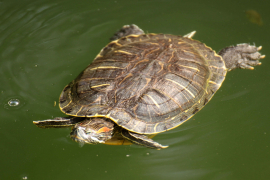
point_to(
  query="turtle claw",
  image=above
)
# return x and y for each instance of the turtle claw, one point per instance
(242, 56)
(262, 57)
(245, 66)
(190, 35)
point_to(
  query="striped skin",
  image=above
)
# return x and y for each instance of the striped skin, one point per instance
(146, 83)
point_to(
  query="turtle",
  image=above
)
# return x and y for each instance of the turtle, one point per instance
(142, 84)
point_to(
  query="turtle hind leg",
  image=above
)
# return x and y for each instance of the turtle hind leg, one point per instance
(141, 140)
(127, 30)
(242, 56)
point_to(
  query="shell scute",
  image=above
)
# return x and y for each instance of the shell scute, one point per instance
(146, 83)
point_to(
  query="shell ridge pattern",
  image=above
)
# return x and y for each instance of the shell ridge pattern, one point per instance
(154, 104)
(145, 83)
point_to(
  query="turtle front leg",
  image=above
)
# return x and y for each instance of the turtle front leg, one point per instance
(141, 140)
(242, 56)
(127, 30)
(58, 122)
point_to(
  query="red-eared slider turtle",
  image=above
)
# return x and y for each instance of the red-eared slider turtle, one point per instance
(143, 84)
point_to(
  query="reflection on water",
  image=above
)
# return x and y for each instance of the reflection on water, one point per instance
(14, 102)
(235, 95)
(254, 17)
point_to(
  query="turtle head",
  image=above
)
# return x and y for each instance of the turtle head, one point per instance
(92, 131)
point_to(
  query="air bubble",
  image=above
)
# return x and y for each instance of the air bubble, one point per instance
(14, 102)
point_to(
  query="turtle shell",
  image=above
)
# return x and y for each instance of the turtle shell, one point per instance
(146, 83)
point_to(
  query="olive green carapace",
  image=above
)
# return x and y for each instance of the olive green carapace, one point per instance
(146, 83)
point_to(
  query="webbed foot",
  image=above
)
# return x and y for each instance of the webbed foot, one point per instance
(142, 140)
(242, 56)
(58, 122)
(127, 30)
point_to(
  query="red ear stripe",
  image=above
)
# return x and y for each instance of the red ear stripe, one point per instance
(104, 129)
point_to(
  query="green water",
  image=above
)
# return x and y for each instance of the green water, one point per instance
(45, 44)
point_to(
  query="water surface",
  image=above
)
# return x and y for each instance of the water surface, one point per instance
(46, 44)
